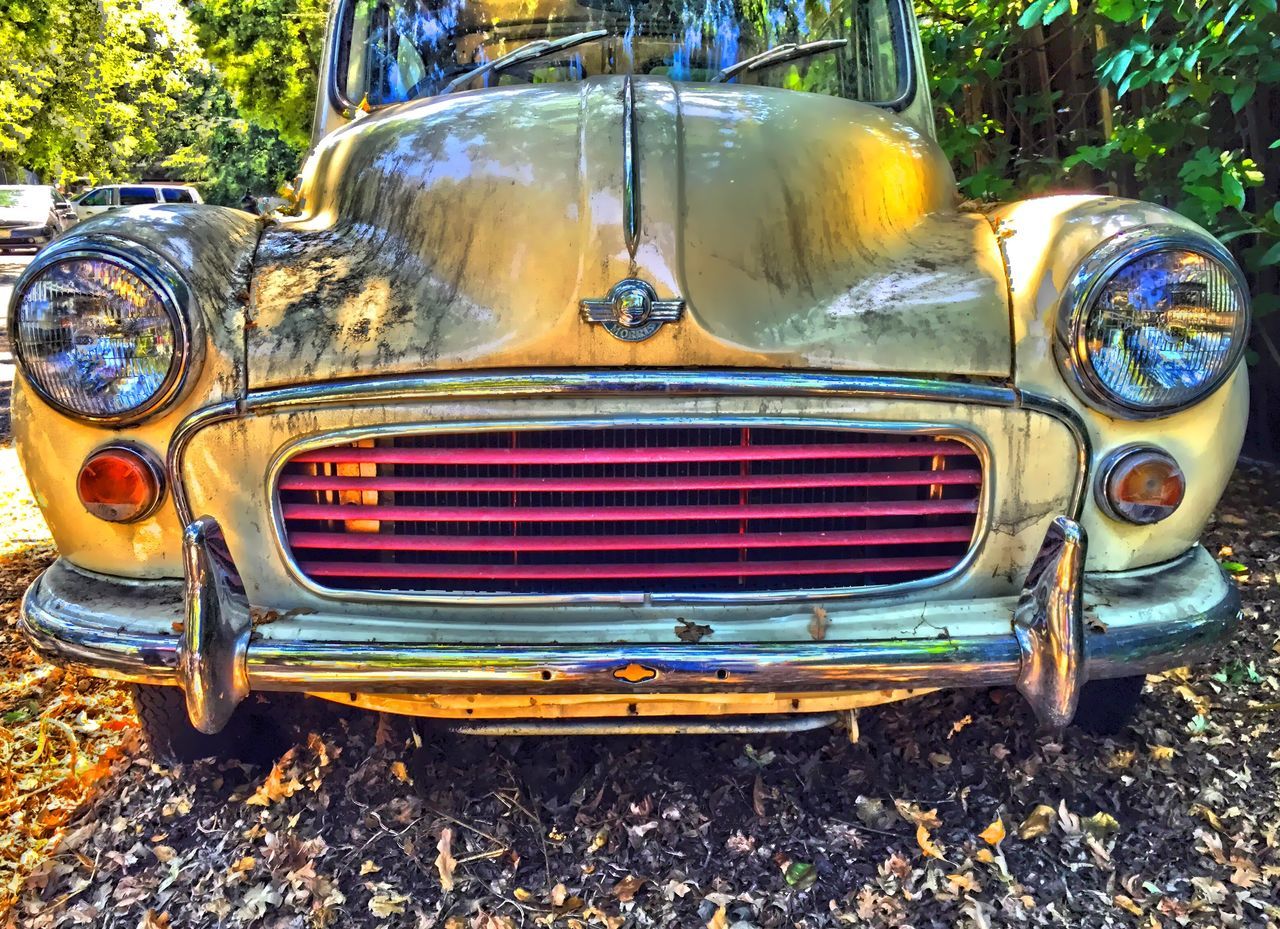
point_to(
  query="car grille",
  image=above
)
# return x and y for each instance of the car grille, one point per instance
(703, 509)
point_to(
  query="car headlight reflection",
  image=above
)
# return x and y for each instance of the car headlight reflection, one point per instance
(1153, 322)
(99, 336)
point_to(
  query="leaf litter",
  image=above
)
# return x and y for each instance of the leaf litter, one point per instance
(378, 822)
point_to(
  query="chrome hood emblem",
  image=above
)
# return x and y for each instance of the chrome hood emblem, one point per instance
(632, 311)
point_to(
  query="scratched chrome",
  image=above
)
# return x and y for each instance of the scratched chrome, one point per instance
(97, 643)
(215, 631)
(324, 440)
(1049, 625)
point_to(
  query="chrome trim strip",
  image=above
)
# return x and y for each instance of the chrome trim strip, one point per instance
(630, 170)
(427, 598)
(174, 296)
(1049, 626)
(182, 436)
(1093, 272)
(1075, 424)
(648, 725)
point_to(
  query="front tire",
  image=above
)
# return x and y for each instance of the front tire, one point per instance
(1108, 705)
(253, 734)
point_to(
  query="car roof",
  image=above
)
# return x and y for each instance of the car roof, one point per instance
(165, 184)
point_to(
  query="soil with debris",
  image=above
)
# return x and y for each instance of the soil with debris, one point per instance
(949, 811)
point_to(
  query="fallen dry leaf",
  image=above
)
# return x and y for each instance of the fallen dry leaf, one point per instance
(691, 633)
(1100, 826)
(625, 890)
(1126, 903)
(279, 784)
(445, 862)
(383, 905)
(993, 834)
(926, 843)
(1038, 822)
(818, 624)
(913, 814)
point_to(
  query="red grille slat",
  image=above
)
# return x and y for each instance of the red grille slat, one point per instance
(651, 455)
(355, 541)
(669, 509)
(572, 572)
(575, 514)
(748, 482)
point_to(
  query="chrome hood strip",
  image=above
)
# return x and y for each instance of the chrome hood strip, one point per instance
(630, 170)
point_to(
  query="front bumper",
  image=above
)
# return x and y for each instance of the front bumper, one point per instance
(1063, 630)
(25, 239)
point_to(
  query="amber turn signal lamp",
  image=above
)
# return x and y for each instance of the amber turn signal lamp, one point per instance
(1140, 484)
(120, 484)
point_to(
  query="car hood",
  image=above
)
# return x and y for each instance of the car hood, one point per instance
(801, 231)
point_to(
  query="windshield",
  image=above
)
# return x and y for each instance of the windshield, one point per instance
(395, 50)
(24, 198)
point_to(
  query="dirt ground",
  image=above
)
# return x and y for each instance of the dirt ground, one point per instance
(949, 811)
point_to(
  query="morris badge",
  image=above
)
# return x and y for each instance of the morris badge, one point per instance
(632, 311)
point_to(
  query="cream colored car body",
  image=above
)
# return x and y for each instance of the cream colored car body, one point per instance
(454, 237)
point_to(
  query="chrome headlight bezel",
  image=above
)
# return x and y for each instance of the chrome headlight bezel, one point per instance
(1094, 273)
(171, 292)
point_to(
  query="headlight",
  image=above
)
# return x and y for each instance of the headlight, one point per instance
(99, 335)
(1154, 320)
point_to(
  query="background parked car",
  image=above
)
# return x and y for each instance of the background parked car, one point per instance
(30, 216)
(114, 196)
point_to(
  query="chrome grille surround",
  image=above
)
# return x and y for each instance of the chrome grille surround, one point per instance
(627, 592)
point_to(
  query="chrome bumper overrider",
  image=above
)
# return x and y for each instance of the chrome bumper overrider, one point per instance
(1043, 644)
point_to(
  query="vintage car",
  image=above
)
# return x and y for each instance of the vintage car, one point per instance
(628, 367)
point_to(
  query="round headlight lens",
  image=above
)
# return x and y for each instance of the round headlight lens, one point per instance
(1157, 331)
(97, 339)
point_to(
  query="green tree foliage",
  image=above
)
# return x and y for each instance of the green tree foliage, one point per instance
(1167, 100)
(85, 85)
(268, 52)
(122, 89)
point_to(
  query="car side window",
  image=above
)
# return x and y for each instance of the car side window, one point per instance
(99, 197)
(136, 196)
(176, 195)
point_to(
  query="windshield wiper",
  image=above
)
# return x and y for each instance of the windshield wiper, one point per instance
(778, 55)
(528, 52)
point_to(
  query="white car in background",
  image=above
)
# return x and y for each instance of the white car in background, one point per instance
(31, 215)
(114, 196)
